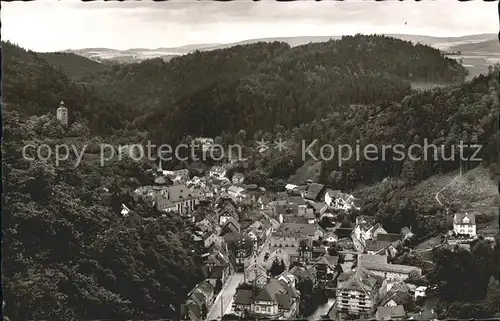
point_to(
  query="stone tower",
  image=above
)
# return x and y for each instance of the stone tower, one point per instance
(62, 114)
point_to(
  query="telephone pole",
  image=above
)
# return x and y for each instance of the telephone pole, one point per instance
(221, 306)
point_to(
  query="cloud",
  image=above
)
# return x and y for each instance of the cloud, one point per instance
(57, 25)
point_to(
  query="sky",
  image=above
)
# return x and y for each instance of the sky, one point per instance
(51, 25)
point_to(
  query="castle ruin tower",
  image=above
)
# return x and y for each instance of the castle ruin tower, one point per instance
(62, 114)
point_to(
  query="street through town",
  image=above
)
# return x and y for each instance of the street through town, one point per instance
(225, 297)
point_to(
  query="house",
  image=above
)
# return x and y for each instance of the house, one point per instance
(310, 217)
(243, 301)
(205, 143)
(237, 178)
(286, 210)
(125, 210)
(260, 231)
(291, 187)
(366, 230)
(390, 313)
(289, 234)
(358, 292)
(302, 273)
(230, 226)
(420, 292)
(205, 225)
(464, 224)
(331, 196)
(406, 234)
(216, 268)
(226, 209)
(315, 192)
(209, 238)
(385, 244)
(269, 257)
(218, 172)
(176, 198)
(241, 248)
(235, 192)
(391, 272)
(305, 250)
(330, 237)
(287, 278)
(342, 201)
(274, 300)
(256, 274)
(327, 269)
(198, 303)
(398, 293)
(263, 202)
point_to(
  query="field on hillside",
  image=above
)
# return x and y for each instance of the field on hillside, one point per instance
(473, 192)
(477, 63)
(310, 170)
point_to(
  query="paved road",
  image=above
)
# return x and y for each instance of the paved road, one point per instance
(226, 296)
(322, 310)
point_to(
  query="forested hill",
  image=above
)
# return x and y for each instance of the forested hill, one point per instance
(69, 252)
(33, 86)
(258, 86)
(76, 67)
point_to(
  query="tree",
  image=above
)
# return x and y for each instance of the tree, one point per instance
(218, 286)
(277, 267)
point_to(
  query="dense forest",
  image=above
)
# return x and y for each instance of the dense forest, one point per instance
(69, 254)
(260, 86)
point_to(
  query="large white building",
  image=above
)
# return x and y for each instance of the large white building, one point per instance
(357, 295)
(464, 224)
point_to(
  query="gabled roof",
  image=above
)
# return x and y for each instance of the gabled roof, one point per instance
(387, 267)
(372, 258)
(231, 226)
(314, 191)
(459, 219)
(399, 293)
(389, 313)
(217, 169)
(332, 193)
(362, 281)
(243, 297)
(297, 230)
(301, 273)
(328, 260)
(217, 259)
(271, 292)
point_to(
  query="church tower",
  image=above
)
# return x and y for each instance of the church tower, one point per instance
(62, 114)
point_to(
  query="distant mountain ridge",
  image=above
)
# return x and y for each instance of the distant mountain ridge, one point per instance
(483, 47)
(167, 53)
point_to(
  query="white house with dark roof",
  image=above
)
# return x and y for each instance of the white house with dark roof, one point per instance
(464, 224)
(341, 201)
(218, 172)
